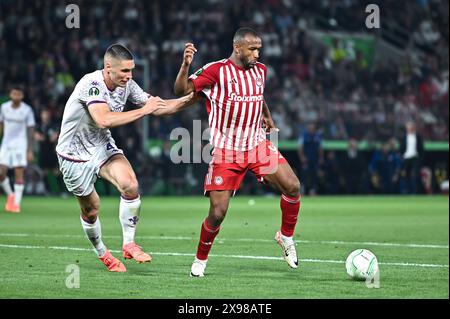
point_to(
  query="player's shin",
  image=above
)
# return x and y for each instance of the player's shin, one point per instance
(7, 186)
(93, 232)
(129, 211)
(18, 192)
(290, 207)
(207, 235)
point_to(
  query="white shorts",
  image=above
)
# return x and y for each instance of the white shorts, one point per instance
(80, 177)
(13, 157)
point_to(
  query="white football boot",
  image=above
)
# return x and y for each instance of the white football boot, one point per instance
(289, 251)
(198, 268)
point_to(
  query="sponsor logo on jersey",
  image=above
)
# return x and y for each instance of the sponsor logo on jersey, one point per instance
(245, 98)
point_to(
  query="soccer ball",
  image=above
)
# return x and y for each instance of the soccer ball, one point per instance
(361, 264)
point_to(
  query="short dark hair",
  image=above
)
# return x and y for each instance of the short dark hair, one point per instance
(16, 87)
(242, 32)
(119, 51)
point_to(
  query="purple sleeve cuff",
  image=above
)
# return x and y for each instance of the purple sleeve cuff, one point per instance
(95, 101)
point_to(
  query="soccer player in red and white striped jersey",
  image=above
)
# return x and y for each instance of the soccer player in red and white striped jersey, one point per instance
(239, 119)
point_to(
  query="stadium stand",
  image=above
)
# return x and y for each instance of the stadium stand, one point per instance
(324, 65)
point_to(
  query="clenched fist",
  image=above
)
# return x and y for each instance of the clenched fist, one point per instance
(189, 52)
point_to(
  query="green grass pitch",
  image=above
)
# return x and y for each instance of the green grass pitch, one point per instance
(409, 235)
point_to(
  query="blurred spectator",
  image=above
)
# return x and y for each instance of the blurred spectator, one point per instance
(280, 119)
(311, 157)
(428, 92)
(426, 177)
(441, 175)
(290, 50)
(46, 134)
(330, 174)
(384, 169)
(427, 34)
(337, 52)
(340, 85)
(354, 167)
(411, 149)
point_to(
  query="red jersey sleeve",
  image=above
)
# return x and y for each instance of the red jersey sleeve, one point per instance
(204, 77)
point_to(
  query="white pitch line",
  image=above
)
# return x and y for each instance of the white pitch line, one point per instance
(379, 244)
(22, 246)
(224, 256)
(301, 241)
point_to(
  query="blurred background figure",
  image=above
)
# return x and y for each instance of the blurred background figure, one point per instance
(354, 169)
(46, 135)
(426, 177)
(17, 124)
(324, 66)
(444, 187)
(384, 169)
(411, 149)
(311, 157)
(330, 175)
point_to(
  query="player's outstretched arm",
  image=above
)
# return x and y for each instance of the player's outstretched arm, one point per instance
(105, 118)
(182, 84)
(176, 105)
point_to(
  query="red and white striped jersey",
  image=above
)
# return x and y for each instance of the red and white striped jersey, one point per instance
(234, 103)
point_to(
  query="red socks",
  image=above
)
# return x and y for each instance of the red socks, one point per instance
(207, 235)
(290, 206)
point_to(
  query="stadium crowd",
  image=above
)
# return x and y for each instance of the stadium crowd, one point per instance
(345, 93)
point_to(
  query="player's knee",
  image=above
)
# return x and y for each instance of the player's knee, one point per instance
(90, 213)
(217, 219)
(130, 187)
(292, 187)
(218, 212)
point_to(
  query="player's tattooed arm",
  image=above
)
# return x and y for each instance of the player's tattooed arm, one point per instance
(182, 84)
(267, 119)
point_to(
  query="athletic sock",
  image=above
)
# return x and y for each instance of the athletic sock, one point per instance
(94, 234)
(7, 186)
(18, 191)
(207, 235)
(290, 207)
(129, 211)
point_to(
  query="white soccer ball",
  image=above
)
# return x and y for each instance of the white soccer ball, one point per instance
(361, 264)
